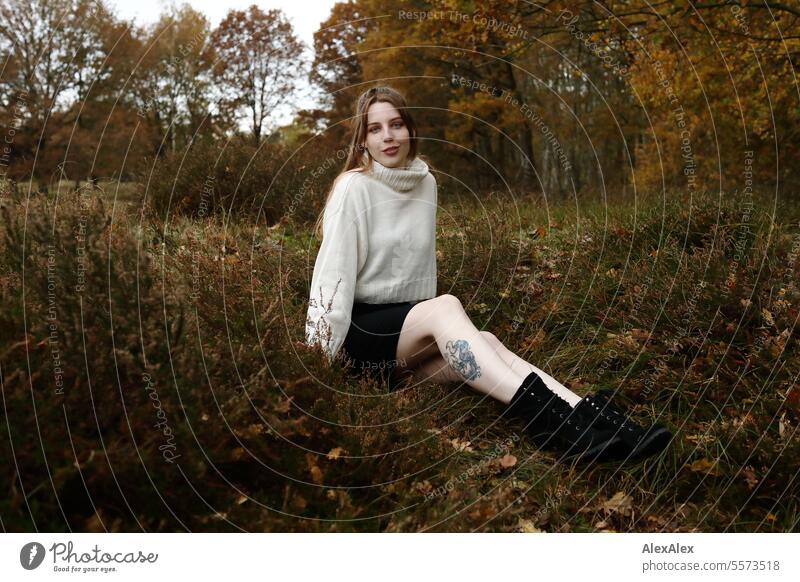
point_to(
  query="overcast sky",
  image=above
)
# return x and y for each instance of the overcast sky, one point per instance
(305, 16)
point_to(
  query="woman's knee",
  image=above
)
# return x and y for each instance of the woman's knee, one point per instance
(449, 303)
(429, 317)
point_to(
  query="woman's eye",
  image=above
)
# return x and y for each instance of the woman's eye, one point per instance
(396, 125)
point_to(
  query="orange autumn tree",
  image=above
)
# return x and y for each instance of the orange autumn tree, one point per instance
(729, 70)
(571, 95)
(502, 94)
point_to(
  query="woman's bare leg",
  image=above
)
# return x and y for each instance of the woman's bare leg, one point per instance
(427, 364)
(437, 371)
(514, 361)
(442, 320)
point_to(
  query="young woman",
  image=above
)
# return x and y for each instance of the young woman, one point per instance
(373, 297)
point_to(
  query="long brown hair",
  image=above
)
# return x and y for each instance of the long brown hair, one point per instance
(358, 156)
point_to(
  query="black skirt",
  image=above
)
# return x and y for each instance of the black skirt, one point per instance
(371, 341)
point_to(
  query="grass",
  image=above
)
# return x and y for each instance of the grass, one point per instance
(196, 326)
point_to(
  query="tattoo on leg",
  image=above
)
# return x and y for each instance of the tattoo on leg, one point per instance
(462, 360)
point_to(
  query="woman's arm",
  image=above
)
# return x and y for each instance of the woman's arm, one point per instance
(335, 271)
(435, 220)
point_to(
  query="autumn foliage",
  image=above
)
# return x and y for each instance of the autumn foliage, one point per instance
(618, 205)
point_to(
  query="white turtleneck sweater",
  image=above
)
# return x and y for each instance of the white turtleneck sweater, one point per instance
(378, 246)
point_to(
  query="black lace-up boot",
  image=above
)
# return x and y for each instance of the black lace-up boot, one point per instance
(552, 422)
(637, 441)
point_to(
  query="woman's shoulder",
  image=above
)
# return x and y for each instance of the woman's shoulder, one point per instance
(348, 177)
(429, 181)
(347, 185)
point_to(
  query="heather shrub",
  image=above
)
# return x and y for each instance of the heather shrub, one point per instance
(272, 183)
(154, 374)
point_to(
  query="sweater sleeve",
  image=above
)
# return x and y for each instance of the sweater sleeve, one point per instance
(435, 214)
(334, 279)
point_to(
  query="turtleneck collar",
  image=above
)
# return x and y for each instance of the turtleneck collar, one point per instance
(400, 179)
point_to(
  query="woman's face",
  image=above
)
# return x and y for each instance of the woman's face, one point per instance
(387, 135)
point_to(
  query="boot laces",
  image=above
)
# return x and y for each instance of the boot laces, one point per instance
(572, 419)
(600, 401)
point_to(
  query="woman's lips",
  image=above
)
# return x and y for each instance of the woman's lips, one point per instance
(391, 151)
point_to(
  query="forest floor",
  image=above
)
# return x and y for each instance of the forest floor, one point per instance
(154, 377)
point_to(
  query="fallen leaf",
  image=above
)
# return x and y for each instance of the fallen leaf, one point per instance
(508, 461)
(299, 502)
(461, 446)
(656, 520)
(705, 466)
(793, 399)
(576, 384)
(619, 503)
(94, 524)
(700, 439)
(313, 468)
(750, 477)
(783, 426)
(335, 453)
(284, 405)
(533, 341)
(527, 526)
(251, 431)
(604, 527)
(776, 344)
(743, 420)
(425, 486)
